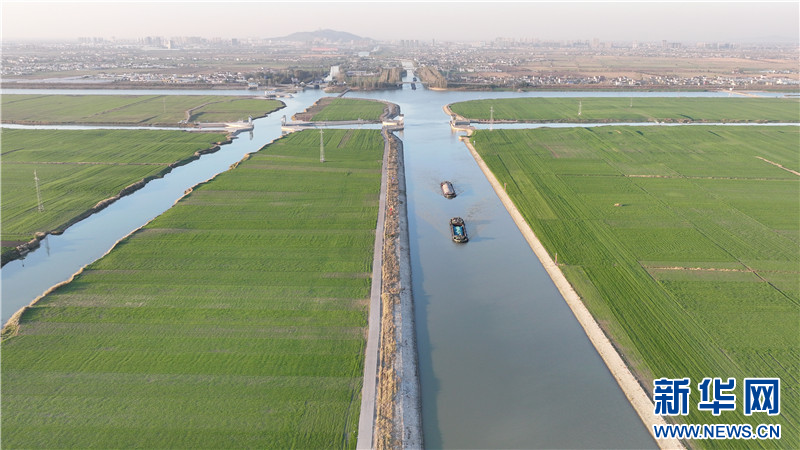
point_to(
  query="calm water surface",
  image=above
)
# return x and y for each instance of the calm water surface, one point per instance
(503, 362)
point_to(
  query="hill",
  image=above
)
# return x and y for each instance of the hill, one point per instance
(322, 35)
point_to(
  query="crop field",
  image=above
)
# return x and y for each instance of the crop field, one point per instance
(235, 319)
(350, 109)
(683, 242)
(637, 109)
(131, 109)
(78, 168)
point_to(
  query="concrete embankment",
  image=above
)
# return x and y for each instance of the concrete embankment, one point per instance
(390, 409)
(633, 390)
(450, 113)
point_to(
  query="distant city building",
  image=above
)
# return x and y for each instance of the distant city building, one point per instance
(333, 75)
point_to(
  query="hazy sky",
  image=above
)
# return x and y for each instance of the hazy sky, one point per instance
(463, 20)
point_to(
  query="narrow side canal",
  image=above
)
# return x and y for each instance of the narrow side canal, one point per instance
(61, 256)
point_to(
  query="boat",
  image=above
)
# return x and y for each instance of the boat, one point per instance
(447, 189)
(458, 230)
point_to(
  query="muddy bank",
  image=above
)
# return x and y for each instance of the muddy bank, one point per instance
(33, 244)
(312, 110)
(633, 389)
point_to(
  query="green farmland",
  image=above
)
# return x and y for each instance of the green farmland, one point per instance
(77, 169)
(132, 109)
(235, 319)
(349, 109)
(636, 109)
(683, 242)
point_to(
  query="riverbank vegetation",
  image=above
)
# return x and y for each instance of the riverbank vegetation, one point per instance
(132, 109)
(77, 169)
(682, 242)
(235, 319)
(633, 109)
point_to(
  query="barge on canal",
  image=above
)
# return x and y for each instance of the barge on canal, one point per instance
(458, 230)
(447, 189)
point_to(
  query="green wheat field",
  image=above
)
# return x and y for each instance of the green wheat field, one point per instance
(78, 168)
(683, 242)
(633, 109)
(235, 319)
(132, 109)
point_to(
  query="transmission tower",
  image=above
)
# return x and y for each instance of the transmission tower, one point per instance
(491, 118)
(321, 148)
(580, 104)
(38, 194)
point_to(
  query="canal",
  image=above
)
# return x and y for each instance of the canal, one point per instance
(61, 256)
(503, 362)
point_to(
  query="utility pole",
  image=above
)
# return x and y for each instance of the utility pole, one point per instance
(38, 195)
(321, 148)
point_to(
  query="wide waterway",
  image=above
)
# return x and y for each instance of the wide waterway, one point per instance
(503, 362)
